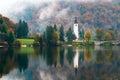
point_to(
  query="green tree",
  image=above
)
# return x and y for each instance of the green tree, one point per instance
(99, 33)
(1, 20)
(22, 30)
(81, 34)
(70, 35)
(49, 31)
(10, 38)
(87, 35)
(51, 36)
(61, 31)
(3, 27)
(55, 27)
(19, 30)
(25, 29)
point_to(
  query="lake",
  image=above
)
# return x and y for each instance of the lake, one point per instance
(60, 63)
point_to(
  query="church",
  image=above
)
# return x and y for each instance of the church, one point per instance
(76, 29)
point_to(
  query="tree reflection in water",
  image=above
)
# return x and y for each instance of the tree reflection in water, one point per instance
(90, 63)
(9, 60)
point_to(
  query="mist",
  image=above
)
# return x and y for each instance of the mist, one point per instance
(39, 13)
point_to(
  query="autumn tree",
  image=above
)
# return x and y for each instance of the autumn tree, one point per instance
(51, 36)
(108, 36)
(99, 33)
(111, 32)
(87, 35)
(55, 38)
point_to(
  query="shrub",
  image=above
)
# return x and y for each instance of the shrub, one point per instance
(4, 43)
(36, 43)
(17, 43)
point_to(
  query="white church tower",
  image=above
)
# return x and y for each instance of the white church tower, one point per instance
(75, 29)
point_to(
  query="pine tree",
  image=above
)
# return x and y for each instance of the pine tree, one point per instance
(11, 38)
(61, 31)
(22, 30)
(70, 35)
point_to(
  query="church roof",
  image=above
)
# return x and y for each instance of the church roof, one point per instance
(75, 20)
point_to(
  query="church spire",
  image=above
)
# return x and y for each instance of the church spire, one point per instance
(75, 20)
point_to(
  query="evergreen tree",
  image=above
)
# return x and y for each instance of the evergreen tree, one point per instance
(51, 36)
(3, 27)
(61, 31)
(1, 20)
(10, 38)
(49, 31)
(55, 27)
(22, 30)
(19, 32)
(70, 35)
(81, 34)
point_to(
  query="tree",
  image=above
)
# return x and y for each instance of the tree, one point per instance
(55, 27)
(51, 36)
(49, 31)
(22, 30)
(87, 35)
(61, 31)
(81, 34)
(11, 37)
(37, 38)
(108, 36)
(3, 27)
(99, 33)
(1, 20)
(111, 32)
(70, 36)
(25, 28)
(55, 38)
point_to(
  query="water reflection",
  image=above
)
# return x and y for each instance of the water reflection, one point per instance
(76, 59)
(9, 60)
(60, 63)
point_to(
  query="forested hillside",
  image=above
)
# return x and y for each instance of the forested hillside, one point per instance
(90, 15)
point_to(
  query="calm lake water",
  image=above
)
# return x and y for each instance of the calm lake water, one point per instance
(60, 63)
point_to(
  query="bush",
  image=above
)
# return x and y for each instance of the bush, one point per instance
(4, 43)
(107, 44)
(17, 43)
(36, 43)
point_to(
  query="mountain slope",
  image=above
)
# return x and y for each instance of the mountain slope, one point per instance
(90, 15)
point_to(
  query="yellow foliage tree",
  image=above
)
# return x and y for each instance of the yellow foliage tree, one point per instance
(87, 35)
(55, 37)
(108, 36)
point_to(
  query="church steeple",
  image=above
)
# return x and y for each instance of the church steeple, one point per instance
(75, 20)
(75, 29)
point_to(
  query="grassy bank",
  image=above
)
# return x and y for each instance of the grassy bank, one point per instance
(26, 41)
